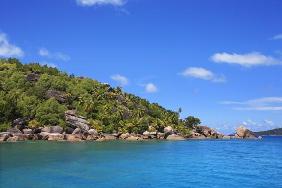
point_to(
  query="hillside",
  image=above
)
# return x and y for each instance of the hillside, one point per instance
(273, 132)
(40, 95)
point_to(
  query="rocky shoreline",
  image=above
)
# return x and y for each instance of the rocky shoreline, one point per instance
(78, 129)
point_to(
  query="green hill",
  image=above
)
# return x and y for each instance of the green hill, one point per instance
(41, 94)
(274, 132)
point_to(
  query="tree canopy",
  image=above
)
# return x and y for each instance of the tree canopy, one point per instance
(41, 94)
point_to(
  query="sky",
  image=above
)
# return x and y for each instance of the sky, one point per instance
(218, 60)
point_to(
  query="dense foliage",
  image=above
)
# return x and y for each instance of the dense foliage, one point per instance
(42, 94)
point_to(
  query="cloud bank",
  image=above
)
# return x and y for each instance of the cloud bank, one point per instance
(122, 80)
(7, 49)
(53, 55)
(246, 60)
(100, 2)
(259, 104)
(151, 88)
(202, 73)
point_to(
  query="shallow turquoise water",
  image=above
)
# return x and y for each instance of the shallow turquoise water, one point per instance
(210, 163)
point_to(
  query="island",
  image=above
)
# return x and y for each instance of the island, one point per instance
(42, 103)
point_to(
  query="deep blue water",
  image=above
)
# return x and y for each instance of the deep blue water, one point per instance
(209, 163)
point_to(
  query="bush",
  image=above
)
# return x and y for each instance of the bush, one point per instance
(50, 112)
(33, 124)
(5, 126)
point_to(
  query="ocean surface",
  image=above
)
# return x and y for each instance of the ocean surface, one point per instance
(195, 164)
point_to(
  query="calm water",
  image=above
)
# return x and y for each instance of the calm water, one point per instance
(231, 163)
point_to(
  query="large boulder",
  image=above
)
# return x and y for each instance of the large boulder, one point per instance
(243, 132)
(124, 136)
(134, 138)
(55, 137)
(73, 138)
(43, 136)
(17, 137)
(69, 130)
(33, 77)
(27, 131)
(207, 132)
(175, 137)
(76, 131)
(4, 136)
(92, 132)
(20, 123)
(168, 130)
(53, 129)
(75, 121)
(58, 95)
(109, 137)
(14, 131)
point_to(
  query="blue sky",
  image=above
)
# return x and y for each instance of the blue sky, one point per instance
(218, 60)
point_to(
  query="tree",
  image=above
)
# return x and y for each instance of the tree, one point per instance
(191, 122)
(50, 112)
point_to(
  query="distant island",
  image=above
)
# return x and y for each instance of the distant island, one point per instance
(42, 103)
(273, 132)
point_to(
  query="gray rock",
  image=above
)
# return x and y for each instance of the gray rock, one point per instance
(69, 130)
(243, 132)
(27, 131)
(43, 136)
(55, 137)
(20, 123)
(46, 129)
(75, 121)
(4, 136)
(73, 138)
(175, 137)
(56, 129)
(92, 132)
(14, 131)
(58, 95)
(124, 136)
(133, 138)
(168, 130)
(76, 131)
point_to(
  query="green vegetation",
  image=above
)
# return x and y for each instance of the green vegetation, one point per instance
(42, 94)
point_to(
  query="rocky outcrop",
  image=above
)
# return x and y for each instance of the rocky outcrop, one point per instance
(124, 136)
(243, 132)
(168, 130)
(134, 138)
(4, 136)
(53, 129)
(75, 121)
(175, 137)
(27, 131)
(14, 131)
(20, 123)
(55, 137)
(58, 95)
(33, 77)
(73, 138)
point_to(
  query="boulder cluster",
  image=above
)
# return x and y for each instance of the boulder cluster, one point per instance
(78, 129)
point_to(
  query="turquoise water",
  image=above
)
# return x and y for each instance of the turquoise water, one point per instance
(210, 163)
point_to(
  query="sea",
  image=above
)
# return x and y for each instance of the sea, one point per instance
(191, 164)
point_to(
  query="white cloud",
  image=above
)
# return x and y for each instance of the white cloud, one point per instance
(246, 60)
(122, 80)
(268, 122)
(277, 37)
(202, 73)
(151, 88)
(260, 104)
(100, 2)
(7, 49)
(53, 55)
